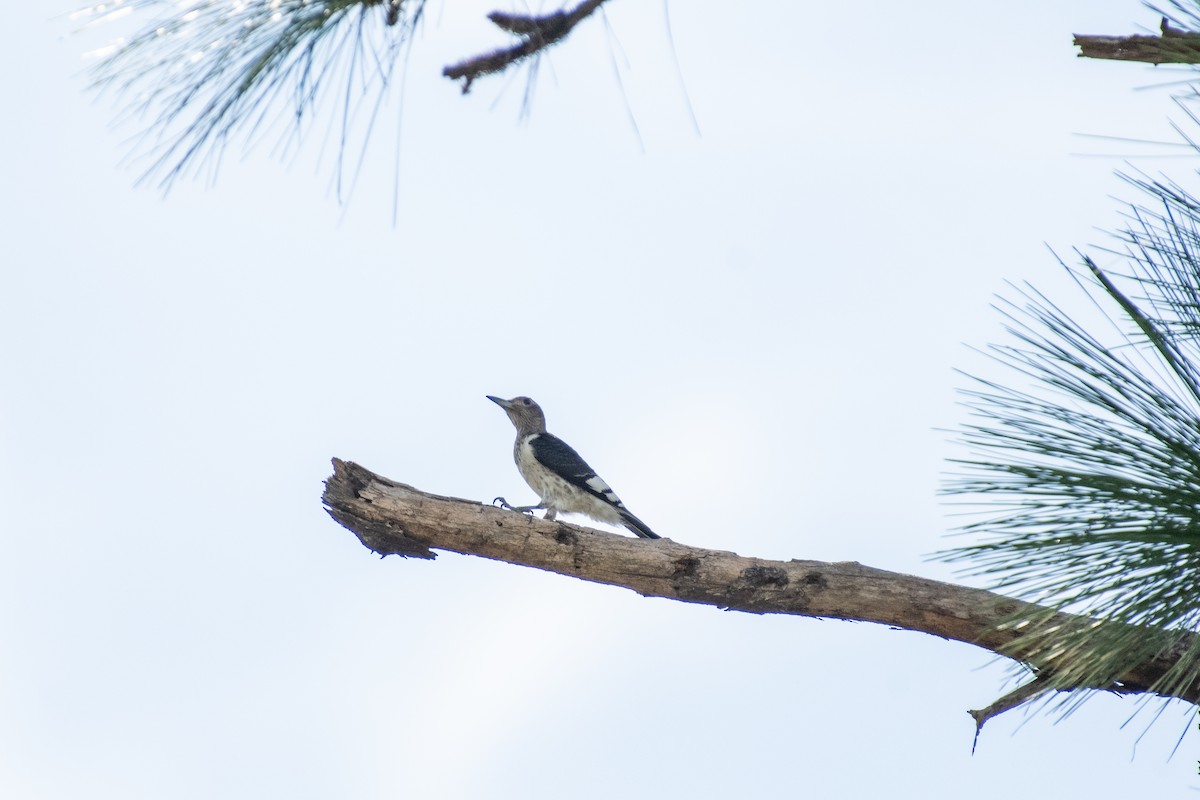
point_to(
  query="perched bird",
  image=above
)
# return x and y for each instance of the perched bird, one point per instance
(562, 479)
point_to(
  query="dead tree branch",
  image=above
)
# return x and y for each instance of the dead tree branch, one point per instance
(392, 518)
(1174, 46)
(536, 33)
(1017, 697)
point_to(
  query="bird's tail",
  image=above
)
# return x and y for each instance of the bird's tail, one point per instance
(637, 526)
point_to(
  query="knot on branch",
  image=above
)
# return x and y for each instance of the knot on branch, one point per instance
(763, 576)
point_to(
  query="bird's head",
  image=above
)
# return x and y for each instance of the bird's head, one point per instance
(525, 414)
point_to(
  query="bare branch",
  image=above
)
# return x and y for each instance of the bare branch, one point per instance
(1019, 696)
(390, 517)
(536, 34)
(1174, 46)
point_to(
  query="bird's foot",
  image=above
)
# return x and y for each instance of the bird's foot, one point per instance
(500, 501)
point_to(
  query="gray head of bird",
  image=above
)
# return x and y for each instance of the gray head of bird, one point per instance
(525, 414)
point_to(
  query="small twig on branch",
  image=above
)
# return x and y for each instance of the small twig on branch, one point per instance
(1019, 696)
(393, 11)
(536, 33)
(1174, 46)
(390, 517)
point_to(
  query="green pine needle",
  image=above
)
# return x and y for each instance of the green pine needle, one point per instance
(1087, 482)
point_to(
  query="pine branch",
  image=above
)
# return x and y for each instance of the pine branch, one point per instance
(392, 518)
(536, 33)
(201, 74)
(1087, 480)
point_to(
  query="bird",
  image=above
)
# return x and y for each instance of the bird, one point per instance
(559, 475)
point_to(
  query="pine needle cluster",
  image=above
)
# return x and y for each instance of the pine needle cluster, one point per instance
(1089, 477)
(202, 73)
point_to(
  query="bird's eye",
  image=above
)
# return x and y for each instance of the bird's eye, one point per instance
(525, 401)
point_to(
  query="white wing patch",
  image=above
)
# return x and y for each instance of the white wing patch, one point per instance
(597, 485)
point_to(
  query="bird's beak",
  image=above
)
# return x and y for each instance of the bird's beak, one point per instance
(500, 401)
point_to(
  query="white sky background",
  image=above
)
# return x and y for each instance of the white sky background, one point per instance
(751, 332)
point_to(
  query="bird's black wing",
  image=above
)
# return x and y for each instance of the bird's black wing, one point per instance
(560, 458)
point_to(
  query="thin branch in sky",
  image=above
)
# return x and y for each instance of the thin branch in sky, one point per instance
(534, 33)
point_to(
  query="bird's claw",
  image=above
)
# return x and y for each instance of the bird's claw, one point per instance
(500, 501)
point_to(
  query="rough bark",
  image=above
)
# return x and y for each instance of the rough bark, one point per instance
(1174, 46)
(392, 518)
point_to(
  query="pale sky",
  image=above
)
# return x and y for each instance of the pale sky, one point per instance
(751, 330)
